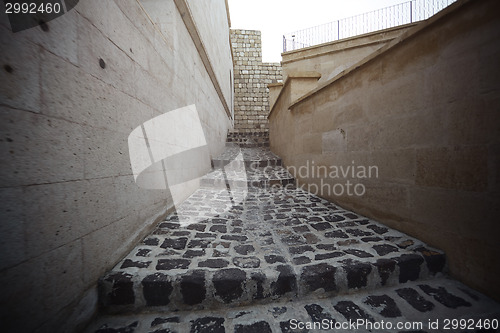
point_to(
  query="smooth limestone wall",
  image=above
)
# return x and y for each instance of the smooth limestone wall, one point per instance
(69, 98)
(425, 110)
(251, 78)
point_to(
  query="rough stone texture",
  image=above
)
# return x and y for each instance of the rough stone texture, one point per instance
(424, 110)
(389, 305)
(70, 207)
(251, 77)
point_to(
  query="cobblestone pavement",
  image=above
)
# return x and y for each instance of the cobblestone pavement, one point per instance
(428, 302)
(229, 247)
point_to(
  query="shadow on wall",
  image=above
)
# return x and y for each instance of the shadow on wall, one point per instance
(170, 152)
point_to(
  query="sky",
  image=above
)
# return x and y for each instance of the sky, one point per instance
(274, 18)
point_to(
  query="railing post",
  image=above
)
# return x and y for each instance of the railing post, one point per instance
(382, 19)
(411, 11)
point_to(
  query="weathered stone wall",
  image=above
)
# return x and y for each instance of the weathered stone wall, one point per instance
(425, 111)
(251, 77)
(70, 96)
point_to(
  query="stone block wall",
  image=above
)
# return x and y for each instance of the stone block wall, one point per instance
(70, 96)
(251, 77)
(424, 112)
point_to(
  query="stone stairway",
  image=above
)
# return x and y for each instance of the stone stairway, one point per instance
(248, 140)
(248, 252)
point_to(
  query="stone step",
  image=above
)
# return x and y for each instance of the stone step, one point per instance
(419, 305)
(246, 158)
(223, 249)
(260, 177)
(249, 140)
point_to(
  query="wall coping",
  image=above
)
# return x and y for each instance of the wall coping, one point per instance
(336, 46)
(276, 84)
(422, 25)
(286, 84)
(187, 17)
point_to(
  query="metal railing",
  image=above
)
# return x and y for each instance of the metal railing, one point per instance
(393, 16)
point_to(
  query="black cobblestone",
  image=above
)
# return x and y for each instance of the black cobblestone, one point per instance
(300, 249)
(198, 243)
(357, 273)
(286, 281)
(301, 260)
(321, 226)
(330, 255)
(138, 264)
(385, 268)
(318, 314)
(415, 299)
(214, 263)
(122, 292)
(235, 238)
(156, 289)
(143, 253)
(218, 228)
(358, 253)
(244, 249)
(444, 297)
(272, 259)
(160, 321)
(259, 327)
(384, 249)
(388, 307)
(319, 276)
(193, 288)
(246, 262)
(127, 329)
(358, 232)
(175, 243)
(167, 264)
(194, 253)
(151, 241)
(336, 234)
(208, 325)
(409, 267)
(377, 229)
(228, 284)
(334, 218)
(435, 261)
(351, 311)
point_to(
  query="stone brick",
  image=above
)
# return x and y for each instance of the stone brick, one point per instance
(193, 288)
(123, 289)
(387, 305)
(413, 298)
(319, 276)
(156, 289)
(441, 295)
(286, 282)
(208, 325)
(228, 284)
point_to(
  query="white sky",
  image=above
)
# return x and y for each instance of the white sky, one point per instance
(278, 17)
